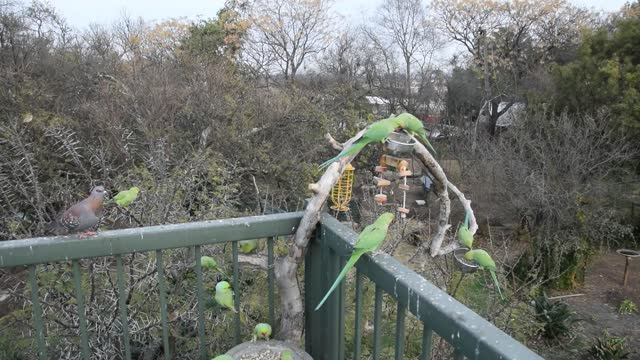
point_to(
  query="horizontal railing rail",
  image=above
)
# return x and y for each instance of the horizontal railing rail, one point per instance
(161, 237)
(469, 334)
(32, 252)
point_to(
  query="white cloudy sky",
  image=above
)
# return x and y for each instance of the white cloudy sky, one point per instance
(81, 13)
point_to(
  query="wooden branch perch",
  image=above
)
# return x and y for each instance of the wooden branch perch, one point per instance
(442, 185)
(292, 310)
(334, 144)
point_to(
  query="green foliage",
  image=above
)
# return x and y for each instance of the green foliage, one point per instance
(555, 315)
(464, 96)
(627, 307)
(606, 73)
(608, 347)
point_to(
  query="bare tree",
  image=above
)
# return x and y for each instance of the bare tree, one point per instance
(508, 41)
(406, 29)
(292, 30)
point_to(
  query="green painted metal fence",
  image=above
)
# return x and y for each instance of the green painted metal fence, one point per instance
(471, 335)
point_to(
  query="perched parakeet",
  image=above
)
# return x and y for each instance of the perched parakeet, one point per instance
(465, 237)
(125, 198)
(262, 331)
(223, 357)
(415, 127)
(369, 240)
(378, 131)
(224, 295)
(286, 355)
(485, 262)
(247, 246)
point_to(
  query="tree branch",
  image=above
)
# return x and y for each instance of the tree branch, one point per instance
(292, 309)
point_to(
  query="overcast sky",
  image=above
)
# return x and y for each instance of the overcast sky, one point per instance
(81, 13)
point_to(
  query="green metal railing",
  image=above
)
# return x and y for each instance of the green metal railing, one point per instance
(469, 334)
(466, 331)
(31, 252)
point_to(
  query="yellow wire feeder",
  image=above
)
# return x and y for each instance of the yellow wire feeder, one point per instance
(341, 191)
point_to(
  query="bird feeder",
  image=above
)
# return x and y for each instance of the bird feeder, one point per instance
(628, 254)
(464, 265)
(399, 143)
(341, 191)
(403, 172)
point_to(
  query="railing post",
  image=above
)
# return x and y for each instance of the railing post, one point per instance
(314, 323)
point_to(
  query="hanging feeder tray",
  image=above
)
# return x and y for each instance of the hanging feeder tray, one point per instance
(382, 182)
(380, 198)
(464, 265)
(381, 169)
(399, 143)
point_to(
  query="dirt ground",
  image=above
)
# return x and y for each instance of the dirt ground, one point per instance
(598, 308)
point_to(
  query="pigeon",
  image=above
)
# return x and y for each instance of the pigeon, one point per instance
(85, 215)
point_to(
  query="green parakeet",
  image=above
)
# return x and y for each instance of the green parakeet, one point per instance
(223, 357)
(262, 331)
(247, 246)
(415, 127)
(369, 240)
(378, 131)
(465, 237)
(484, 260)
(125, 198)
(286, 355)
(224, 295)
(208, 263)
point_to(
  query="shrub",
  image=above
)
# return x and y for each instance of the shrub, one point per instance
(555, 315)
(608, 347)
(627, 307)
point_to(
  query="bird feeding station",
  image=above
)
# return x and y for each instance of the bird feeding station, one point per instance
(464, 265)
(628, 254)
(341, 191)
(397, 144)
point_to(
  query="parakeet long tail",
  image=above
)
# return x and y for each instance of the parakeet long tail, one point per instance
(354, 148)
(352, 261)
(426, 142)
(466, 219)
(495, 280)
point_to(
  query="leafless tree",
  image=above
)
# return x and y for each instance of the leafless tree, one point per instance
(292, 30)
(405, 27)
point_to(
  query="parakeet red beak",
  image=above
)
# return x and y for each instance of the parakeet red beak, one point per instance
(264, 333)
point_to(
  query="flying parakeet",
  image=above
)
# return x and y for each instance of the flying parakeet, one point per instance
(262, 331)
(415, 127)
(247, 246)
(224, 296)
(286, 355)
(369, 240)
(465, 237)
(125, 198)
(484, 260)
(378, 131)
(223, 357)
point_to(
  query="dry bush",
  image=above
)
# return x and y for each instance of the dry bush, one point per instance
(553, 176)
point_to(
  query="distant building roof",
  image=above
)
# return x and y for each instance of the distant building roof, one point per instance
(376, 100)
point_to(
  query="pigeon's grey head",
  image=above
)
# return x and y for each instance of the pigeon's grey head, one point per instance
(98, 191)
